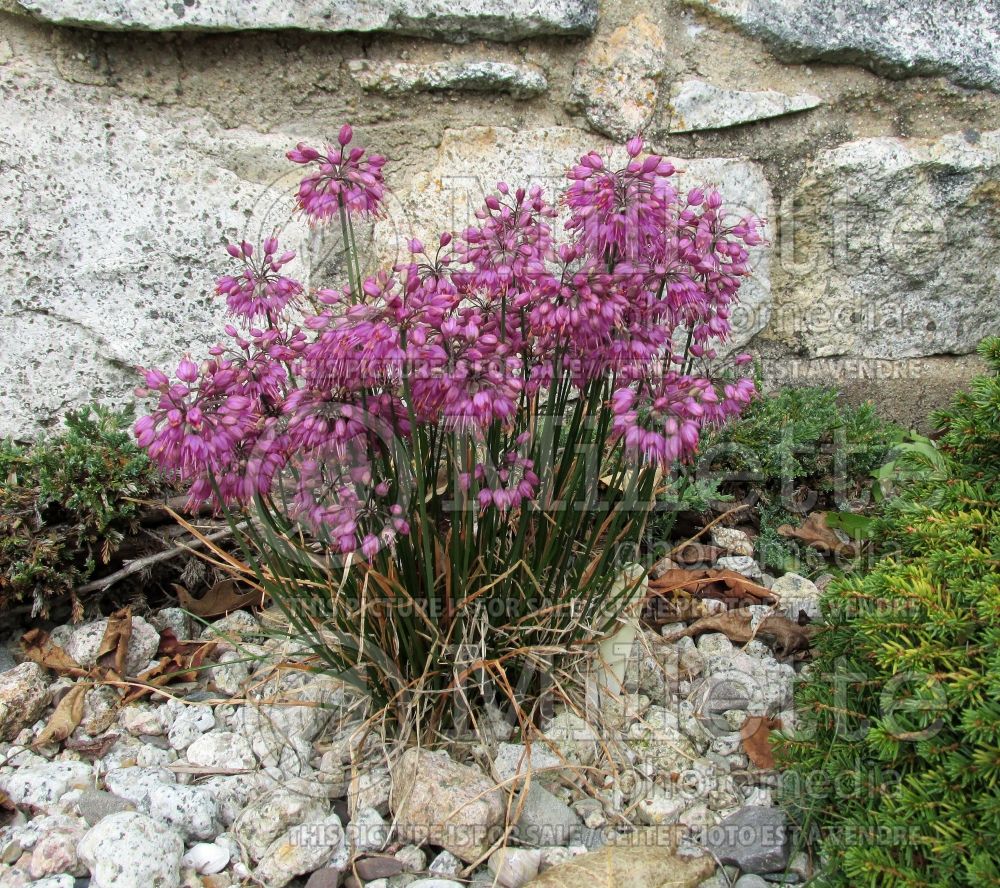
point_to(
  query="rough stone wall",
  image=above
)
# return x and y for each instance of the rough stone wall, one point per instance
(136, 137)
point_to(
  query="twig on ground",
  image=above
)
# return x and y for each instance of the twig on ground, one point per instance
(680, 546)
(133, 567)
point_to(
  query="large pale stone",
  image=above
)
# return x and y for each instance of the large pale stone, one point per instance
(271, 816)
(24, 694)
(470, 160)
(696, 105)
(617, 81)
(450, 19)
(437, 800)
(885, 251)
(303, 849)
(643, 865)
(130, 850)
(898, 37)
(112, 217)
(85, 643)
(397, 78)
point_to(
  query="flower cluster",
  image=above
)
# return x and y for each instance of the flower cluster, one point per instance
(344, 181)
(456, 350)
(260, 291)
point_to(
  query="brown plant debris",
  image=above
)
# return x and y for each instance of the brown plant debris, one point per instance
(737, 625)
(674, 594)
(756, 734)
(224, 597)
(815, 533)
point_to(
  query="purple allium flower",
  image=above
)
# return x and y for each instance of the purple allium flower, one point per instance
(259, 291)
(466, 339)
(343, 178)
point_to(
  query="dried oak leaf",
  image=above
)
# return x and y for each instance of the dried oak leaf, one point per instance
(736, 625)
(696, 553)
(711, 583)
(66, 716)
(176, 667)
(672, 586)
(93, 749)
(170, 644)
(114, 646)
(40, 649)
(162, 673)
(756, 734)
(223, 598)
(658, 610)
(815, 533)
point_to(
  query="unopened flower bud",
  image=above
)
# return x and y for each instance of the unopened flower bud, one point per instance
(187, 370)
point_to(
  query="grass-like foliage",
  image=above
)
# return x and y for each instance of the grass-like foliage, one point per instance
(444, 459)
(896, 769)
(65, 504)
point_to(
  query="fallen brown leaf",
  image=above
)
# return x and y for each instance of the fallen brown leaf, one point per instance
(93, 749)
(658, 610)
(815, 533)
(736, 626)
(181, 664)
(672, 586)
(696, 553)
(157, 676)
(756, 734)
(178, 667)
(39, 648)
(170, 644)
(114, 646)
(223, 598)
(711, 583)
(65, 717)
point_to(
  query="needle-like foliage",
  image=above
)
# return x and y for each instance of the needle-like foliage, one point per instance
(896, 770)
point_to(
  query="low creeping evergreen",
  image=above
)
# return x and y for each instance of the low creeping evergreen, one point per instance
(894, 769)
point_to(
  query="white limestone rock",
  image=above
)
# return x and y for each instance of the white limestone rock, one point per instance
(130, 850)
(221, 749)
(889, 240)
(457, 20)
(85, 642)
(797, 593)
(897, 37)
(697, 105)
(399, 78)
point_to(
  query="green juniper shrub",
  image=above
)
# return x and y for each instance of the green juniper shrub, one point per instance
(894, 768)
(66, 503)
(797, 451)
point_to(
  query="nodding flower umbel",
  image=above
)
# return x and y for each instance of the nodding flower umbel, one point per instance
(260, 291)
(625, 303)
(342, 179)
